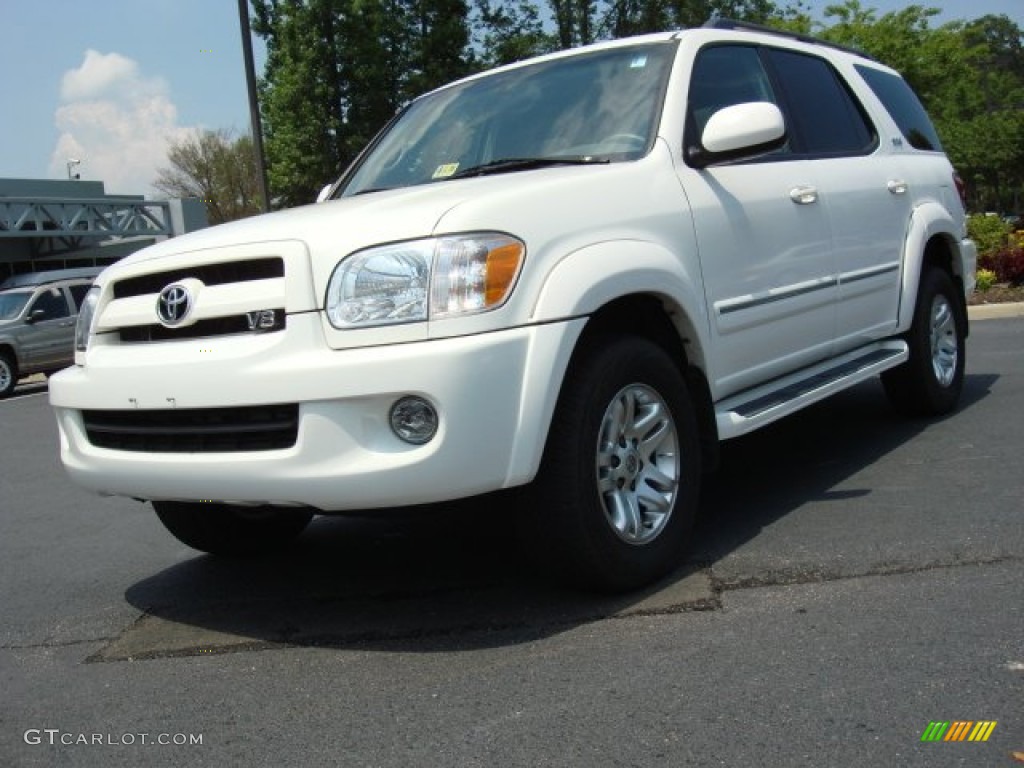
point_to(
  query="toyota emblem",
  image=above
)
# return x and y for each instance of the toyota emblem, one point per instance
(173, 305)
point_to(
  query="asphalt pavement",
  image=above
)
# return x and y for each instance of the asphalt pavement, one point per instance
(855, 578)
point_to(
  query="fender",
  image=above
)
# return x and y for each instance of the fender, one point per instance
(931, 220)
(591, 277)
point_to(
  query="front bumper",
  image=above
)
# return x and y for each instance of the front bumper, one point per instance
(495, 393)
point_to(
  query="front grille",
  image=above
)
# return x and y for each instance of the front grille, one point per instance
(209, 274)
(214, 326)
(195, 430)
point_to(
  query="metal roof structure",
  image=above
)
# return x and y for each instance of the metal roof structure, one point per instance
(46, 223)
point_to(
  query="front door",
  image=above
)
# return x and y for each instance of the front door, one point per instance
(764, 239)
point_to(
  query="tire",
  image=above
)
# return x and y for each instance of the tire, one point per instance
(930, 382)
(609, 509)
(222, 529)
(8, 374)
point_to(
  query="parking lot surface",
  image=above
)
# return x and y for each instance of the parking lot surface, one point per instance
(854, 578)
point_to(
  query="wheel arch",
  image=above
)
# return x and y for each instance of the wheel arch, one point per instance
(631, 287)
(657, 318)
(932, 243)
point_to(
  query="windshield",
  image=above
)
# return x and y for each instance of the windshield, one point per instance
(595, 107)
(12, 302)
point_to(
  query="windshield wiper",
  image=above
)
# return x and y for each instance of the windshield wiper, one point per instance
(510, 164)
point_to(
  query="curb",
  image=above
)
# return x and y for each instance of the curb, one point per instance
(993, 311)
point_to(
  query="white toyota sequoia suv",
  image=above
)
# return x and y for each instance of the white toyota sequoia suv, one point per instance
(575, 274)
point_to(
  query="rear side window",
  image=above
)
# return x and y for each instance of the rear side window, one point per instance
(78, 292)
(827, 119)
(904, 107)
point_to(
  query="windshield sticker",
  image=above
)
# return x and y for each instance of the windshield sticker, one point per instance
(638, 62)
(446, 170)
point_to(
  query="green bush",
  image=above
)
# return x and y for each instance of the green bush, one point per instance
(986, 279)
(989, 232)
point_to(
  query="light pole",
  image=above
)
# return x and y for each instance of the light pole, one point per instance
(254, 110)
(70, 164)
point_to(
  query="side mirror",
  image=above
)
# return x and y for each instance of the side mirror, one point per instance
(324, 193)
(740, 131)
(35, 316)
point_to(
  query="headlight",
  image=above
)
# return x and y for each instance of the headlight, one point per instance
(85, 316)
(432, 278)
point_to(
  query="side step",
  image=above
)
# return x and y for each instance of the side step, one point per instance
(769, 402)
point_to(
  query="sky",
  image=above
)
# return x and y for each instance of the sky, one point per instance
(113, 82)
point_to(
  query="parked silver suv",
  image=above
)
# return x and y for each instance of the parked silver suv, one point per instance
(37, 322)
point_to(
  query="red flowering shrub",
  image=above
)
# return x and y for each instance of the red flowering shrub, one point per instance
(1007, 263)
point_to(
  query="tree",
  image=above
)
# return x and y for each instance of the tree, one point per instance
(216, 168)
(970, 78)
(300, 96)
(509, 32)
(338, 70)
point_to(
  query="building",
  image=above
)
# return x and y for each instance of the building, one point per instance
(47, 224)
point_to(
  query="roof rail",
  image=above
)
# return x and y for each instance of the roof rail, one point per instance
(746, 26)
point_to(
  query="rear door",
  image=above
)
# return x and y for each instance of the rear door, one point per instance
(860, 185)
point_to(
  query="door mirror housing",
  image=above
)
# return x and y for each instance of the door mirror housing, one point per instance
(324, 193)
(740, 131)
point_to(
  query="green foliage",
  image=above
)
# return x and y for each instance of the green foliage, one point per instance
(970, 77)
(985, 278)
(216, 168)
(988, 232)
(510, 31)
(338, 70)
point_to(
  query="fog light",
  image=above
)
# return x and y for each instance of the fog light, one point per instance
(414, 420)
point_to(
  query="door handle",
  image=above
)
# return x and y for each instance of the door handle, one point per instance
(897, 186)
(803, 195)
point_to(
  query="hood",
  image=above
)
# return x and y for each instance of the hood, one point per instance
(348, 224)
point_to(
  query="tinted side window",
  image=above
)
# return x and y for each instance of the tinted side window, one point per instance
(78, 293)
(724, 75)
(904, 107)
(826, 117)
(53, 304)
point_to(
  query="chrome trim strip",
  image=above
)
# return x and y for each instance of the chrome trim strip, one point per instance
(864, 274)
(780, 294)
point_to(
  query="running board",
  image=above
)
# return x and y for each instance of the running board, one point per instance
(762, 405)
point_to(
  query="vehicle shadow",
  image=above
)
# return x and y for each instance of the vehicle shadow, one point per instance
(452, 577)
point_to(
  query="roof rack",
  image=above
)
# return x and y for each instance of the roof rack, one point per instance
(746, 26)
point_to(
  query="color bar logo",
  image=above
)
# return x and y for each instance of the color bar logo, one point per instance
(958, 730)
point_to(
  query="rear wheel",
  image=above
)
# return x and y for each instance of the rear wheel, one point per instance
(617, 491)
(930, 382)
(8, 374)
(223, 529)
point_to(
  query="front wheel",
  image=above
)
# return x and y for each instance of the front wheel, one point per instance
(930, 382)
(616, 494)
(223, 529)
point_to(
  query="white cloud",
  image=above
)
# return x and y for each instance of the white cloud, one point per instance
(117, 121)
(98, 73)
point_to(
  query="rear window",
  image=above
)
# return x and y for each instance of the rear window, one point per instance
(904, 107)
